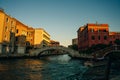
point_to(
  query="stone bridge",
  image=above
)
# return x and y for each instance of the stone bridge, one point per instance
(104, 52)
(96, 55)
(69, 51)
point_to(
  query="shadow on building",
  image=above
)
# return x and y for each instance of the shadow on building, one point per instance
(8, 47)
(20, 44)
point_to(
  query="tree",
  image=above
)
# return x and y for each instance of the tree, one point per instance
(75, 47)
(96, 47)
(117, 41)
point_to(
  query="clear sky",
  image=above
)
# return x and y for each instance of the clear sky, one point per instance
(62, 18)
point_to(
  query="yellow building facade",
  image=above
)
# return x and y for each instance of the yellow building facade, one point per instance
(15, 35)
(21, 33)
(7, 32)
(21, 29)
(7, 25)
(41, 38)
(30, 36)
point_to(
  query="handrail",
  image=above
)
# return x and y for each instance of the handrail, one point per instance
(103, 52)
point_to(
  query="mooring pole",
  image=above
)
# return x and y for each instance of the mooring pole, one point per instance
(107, 72)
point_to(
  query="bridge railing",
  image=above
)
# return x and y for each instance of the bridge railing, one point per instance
(103, 52)
(116, 47)
(85, 55)
(71, 52)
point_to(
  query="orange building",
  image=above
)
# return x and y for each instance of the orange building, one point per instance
(20, 35)
(7, 32)
(41, 38)
(30, 36)
(15, 35)
(54, 43)
(21, 32)
(92, 34)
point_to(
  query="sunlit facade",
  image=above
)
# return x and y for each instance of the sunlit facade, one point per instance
(92, 34)
(21, 31)
(30, 36)
(15, 35)
(7, 32)
(113, 36)
(54, 43)
(41, 38)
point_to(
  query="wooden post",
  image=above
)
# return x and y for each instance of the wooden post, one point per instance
(107, 72)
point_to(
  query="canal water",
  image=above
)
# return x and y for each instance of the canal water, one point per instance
(60, 67)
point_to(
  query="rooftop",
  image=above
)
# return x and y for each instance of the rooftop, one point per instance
(96, 24)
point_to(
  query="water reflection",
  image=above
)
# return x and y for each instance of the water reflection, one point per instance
(27, 69)
(51, 68)
(61, 58)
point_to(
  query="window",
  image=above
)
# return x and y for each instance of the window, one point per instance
(5, 38)
(6, 28)
(24, 32)
(27, 33)
(92, 30)
(7, 20)
(16, 38)
(17, 31)
(104, 30)
(105, 37)
(12, 30)
(99, 30)
(11, 22)
(98, 37)
(93, 37)
(110, 42)
(31, 39)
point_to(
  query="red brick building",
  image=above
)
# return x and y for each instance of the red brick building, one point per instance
(113, 36)
(54, 43)
(92, 34)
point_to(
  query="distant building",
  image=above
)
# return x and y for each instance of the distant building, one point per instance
(54, 43)
(30, 36)
(75, 41)
(41, 38)
(113, 36)
(92, 34)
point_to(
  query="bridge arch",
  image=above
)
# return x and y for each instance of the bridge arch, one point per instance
(71, 52)
(49, 51)
(106, 52)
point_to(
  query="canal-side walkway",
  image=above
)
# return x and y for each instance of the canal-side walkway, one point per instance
(74, 54)
(116, 78)
(16, 56)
